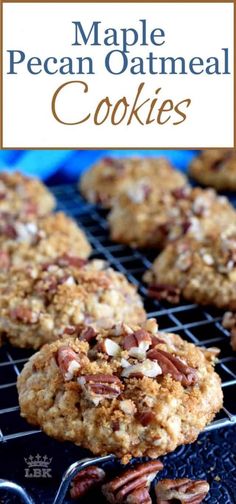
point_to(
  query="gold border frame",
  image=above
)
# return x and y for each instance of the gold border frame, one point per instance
(2, 2)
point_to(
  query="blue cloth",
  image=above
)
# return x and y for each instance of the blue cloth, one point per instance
(67, 165)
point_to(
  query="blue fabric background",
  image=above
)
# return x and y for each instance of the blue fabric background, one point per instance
(58, 166)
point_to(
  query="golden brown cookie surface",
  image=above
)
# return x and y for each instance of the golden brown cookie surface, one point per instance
(41, 303)
(200, 271)
(159, 218)
(110, 177)
(136, 393)
(23, 196)
(216, 168)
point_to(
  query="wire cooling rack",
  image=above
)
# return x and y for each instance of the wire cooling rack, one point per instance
(196, 324)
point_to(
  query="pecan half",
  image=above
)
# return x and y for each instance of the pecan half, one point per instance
(86, 480)
(183, 491)
(129, 482)
(100, 386)
(68, 361)
(165, 292)
(174, 366)
(24, 314)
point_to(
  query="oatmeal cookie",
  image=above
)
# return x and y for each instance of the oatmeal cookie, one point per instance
(23, 196)
(136, 393)
(200, 271)
(107, 179)
(162, 217)
(39, 240)
(216, 168)
(229, 322)
(38, 304)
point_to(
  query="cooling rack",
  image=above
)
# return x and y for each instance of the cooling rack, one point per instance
(201, 326)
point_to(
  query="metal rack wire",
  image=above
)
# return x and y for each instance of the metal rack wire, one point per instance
(201, 326)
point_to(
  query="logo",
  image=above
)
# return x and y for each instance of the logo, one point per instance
(38, 467)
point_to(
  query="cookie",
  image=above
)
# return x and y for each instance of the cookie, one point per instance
(136, 393)
(229, 322)
(162, 217)
(41, 304)
(39, 240)
(23, 196)
(107, 179)
(200, 271)
(216, 168)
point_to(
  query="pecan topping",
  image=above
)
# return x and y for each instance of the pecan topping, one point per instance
(166, 292)
(108, 347)
(68, 260)
(182, 491)
(86, 480)
(146, 368)
(174, 366)
(114, 163)
(137, 343)
(131, 484)
(100, 386)
(68, 362)
(24, 314)
(145, 417)
(4, 260)
(87, 334)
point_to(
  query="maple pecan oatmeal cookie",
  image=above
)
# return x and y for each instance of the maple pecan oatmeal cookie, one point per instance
(136, 393)
(40, 304)
(111, 176)
(216, 168)
(162, 217)
(229, 322)
(23, 196)
(39, 240)
(200, 271)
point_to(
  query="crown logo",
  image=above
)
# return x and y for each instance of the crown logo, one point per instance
(38, 461)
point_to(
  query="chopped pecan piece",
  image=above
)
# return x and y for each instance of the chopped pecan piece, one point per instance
(182, 491)
(127, 484)
(86, 480)
(145, 417)
(108, 347)
(146, 368)
(5, 260)
(87, 334)
(24, 314)
(68, 362)
(166, 292)
(68, 260)
(137, 343)
(100, 386)
(174, 366)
